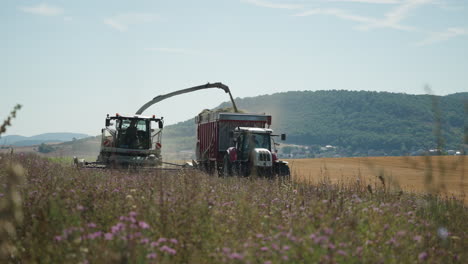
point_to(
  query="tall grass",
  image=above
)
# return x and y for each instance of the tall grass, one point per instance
(11, 213)
(81, 216)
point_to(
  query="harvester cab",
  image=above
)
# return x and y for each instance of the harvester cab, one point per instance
(131, 140)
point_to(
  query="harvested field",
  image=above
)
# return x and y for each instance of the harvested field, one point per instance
(449, 173)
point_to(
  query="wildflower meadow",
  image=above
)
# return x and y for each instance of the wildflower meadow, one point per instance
(51, 212)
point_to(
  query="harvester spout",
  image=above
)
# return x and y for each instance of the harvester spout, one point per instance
(188, 90)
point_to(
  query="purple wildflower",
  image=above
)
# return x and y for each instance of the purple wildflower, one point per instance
(143, 225)
(417, 238)
(328, 231)
(117, 227)
(132, 214)
(92, 225)
(94, 235)
(154, 244)
(422, 256)
(321, 240)
(151, 256)
(58, 238)
(108, 236)
(168, 250)
(236, 255)
(359, 250)
(173, 241)
(264, 249)
(342, 253)
(144, 240)
(392, 241)
(401, 233)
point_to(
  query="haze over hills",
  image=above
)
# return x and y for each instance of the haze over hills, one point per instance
(355, 120)
(16, 140)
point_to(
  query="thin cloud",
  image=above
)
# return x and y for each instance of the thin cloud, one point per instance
(171, 50)
(396, 15)
(270, 4)
(369, 1)
(391, 19)
(339, 13)
(366, 22)
(123, 21)
(42, 9)
(443, 36)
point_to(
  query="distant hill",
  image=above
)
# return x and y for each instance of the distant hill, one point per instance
(356, 120)
(460, 96)
(16, 140)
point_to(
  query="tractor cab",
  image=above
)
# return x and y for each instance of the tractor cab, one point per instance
(254, 148)
(248, 139)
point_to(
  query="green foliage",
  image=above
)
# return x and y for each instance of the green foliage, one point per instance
(358, 120)
(44, 148)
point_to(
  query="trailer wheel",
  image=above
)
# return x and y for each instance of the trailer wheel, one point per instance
(227, 167)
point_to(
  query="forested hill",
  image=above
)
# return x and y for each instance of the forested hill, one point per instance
(357, 120)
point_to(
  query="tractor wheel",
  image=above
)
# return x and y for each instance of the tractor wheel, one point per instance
(284, 172)
(227, 167)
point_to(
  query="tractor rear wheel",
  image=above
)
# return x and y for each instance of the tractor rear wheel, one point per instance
(227, 166)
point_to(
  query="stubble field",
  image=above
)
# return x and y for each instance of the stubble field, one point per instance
(446, 175)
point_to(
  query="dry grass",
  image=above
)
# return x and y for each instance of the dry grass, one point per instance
(408, 173)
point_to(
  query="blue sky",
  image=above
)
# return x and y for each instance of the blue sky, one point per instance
(71, 62)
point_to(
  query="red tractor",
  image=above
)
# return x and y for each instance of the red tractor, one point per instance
(238, 144)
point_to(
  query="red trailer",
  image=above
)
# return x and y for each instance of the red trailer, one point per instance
(225, 142)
